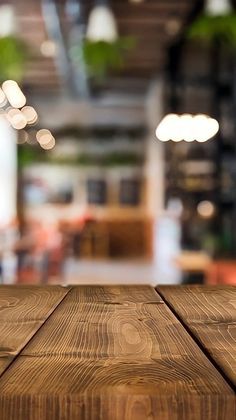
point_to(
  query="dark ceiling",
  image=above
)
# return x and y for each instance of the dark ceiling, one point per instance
(154, 24)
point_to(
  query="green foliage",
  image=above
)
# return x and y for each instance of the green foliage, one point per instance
(221, 29)
(12, 58)
(107, 160)
(102, 133)
(28, 155)
(102, 56)
(121, 159)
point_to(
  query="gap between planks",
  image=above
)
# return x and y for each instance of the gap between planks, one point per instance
(68, 289)
(196, 340)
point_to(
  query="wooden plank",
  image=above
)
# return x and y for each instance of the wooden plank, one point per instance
(116, 294)
(23, 309)
(113, 352)
(210, 314)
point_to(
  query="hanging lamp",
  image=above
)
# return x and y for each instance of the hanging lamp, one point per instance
(218, 7)
(102, 24)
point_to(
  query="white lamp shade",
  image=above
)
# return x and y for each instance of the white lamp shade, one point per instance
(7, 20)
(218, 7)
(8, 169)
(101, 25)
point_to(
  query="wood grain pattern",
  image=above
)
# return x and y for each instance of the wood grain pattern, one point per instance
(117, 294)
(23, 309)
(210, 314)
(113, 353)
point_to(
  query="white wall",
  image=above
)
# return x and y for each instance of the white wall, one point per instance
(154, 157)
(8, 172)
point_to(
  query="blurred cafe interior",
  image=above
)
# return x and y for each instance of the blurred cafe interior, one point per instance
(118, 141)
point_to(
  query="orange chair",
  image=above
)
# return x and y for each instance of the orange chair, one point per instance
(221, 272)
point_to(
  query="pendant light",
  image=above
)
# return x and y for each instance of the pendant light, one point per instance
(7, 20)
(218, 7)
(102, 24)
(187, 127)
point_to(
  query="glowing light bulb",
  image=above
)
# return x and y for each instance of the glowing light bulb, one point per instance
(43, 136)
(213, 127)
(162, 132)
(175, 128)
(14, 94)
(206, 209)
(204, 127)
(186, 122)
(49, 145)
(16, 118)
(166, 130)
(48, 48)
(30, 114)
(45, 139)
(187, 127)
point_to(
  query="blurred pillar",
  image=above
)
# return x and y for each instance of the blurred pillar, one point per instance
(165, 227)
(8, 173)
(155, 153)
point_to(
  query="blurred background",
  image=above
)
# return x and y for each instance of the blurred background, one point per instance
(118, 141)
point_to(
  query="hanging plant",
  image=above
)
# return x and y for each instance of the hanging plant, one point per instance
(221, 29)
(100, 57)
(13, 56)
(28, 155)
(102, 133)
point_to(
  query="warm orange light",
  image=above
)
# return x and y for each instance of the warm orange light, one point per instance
(30, 114)
(45, 139)
(206, 209)
(49, 145)
(43, 136)
(16, 118)
(48, 48)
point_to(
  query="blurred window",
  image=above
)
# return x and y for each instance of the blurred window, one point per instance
(130, 192)
(97, 191)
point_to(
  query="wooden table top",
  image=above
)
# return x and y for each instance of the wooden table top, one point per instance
(117, 352)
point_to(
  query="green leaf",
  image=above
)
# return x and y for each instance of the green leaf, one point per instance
(102, 56)
(13, 56)
(215, 28)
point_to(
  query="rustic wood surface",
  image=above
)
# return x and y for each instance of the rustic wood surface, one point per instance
(113, 353)
(210, 313)
(23, 310)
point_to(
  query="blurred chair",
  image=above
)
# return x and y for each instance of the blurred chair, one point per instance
(194, 266)
(221, 272)
(94, 240)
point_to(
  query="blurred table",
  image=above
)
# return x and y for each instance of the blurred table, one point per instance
(193, 261)
(117, 352)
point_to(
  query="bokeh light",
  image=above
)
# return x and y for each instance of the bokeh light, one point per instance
(206, 209)
(14, 94)
(187, 127)
(16, 118)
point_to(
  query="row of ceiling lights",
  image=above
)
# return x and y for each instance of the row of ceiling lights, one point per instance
(187, 127)
(19, 115)
(190, 127)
